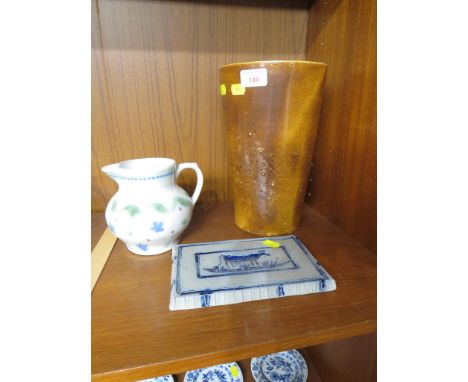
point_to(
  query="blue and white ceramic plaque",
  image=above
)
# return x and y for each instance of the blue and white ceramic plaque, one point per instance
(234, 271)
(166, 378)
(228, 372)
(286, 366)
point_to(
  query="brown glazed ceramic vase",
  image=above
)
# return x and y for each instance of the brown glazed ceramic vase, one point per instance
(271, 117)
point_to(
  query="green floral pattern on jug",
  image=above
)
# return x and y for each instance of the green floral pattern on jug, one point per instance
(114, 205)
(185, 202)
(178, 200)
(132, 209)
(160, 207)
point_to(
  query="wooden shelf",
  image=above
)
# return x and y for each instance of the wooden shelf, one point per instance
(135, 336)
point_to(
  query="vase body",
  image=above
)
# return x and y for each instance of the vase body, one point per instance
(271, 112)
(150, 211)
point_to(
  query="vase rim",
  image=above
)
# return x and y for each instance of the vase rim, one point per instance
(273, 62)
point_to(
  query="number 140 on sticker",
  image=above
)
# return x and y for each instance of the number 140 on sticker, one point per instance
(254, 77)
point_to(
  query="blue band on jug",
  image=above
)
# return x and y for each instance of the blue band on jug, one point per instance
(115, 176)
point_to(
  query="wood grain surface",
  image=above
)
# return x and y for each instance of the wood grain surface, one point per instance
(350, 360)
(98, 226)
(155, 90)
(100, 255)
(342, 33)
(135, 336)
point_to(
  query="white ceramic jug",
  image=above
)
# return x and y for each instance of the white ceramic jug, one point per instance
(150, 211)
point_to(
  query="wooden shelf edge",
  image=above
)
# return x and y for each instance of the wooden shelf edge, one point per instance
(100, 255)
(205, 360)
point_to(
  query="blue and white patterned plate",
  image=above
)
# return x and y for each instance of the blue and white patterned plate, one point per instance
(286, 366)
(228, 372)
(166, 378)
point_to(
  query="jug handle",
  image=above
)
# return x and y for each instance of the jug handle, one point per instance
(198, 187)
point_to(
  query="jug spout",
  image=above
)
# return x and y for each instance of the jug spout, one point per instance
(114, 171)
(111, 169)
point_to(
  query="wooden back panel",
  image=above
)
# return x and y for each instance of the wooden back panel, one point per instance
(155, 89)
(352, 360)
(342, 33)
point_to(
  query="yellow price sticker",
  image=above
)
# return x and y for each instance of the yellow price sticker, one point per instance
(271, 243)
(237, 89)
(234, 371)
(222, 89)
